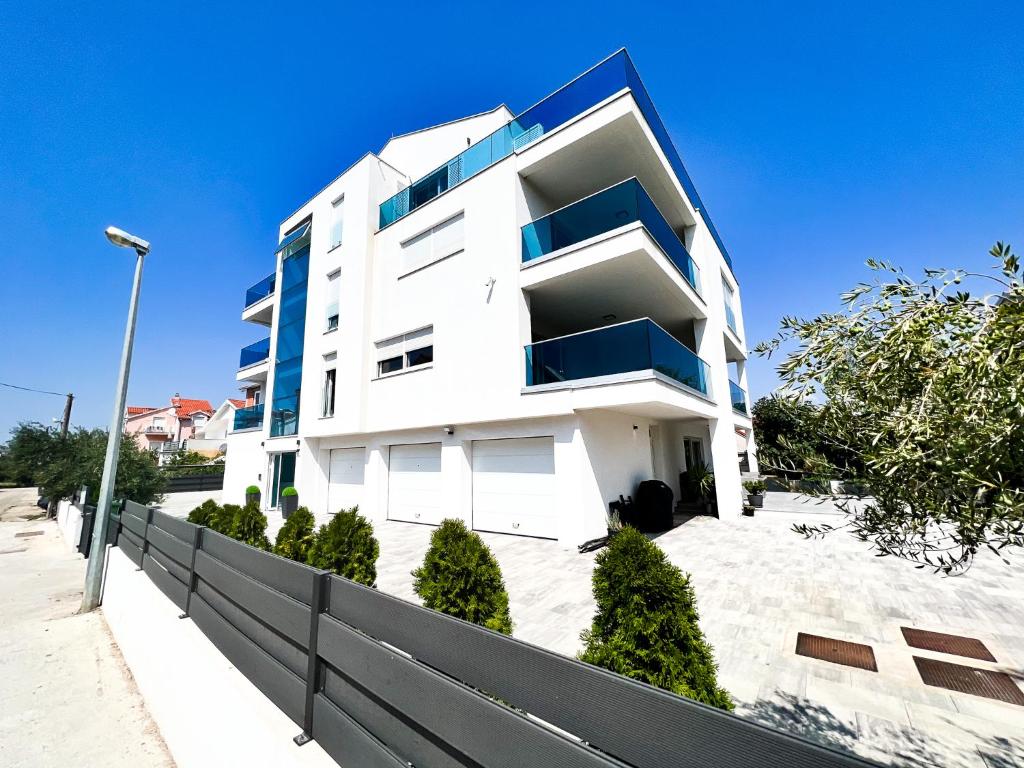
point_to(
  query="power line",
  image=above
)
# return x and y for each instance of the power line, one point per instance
(29, 389)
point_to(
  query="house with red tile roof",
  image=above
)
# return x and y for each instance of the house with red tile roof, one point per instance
(163, 429)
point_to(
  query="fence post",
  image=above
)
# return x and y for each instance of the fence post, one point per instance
(316, 607)
(196, 542)
(145, 538)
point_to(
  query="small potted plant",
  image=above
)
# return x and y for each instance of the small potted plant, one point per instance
(755, 492)
(252, 495)
(748, 510)
(289, 501)
(703, 480)
(614, 523)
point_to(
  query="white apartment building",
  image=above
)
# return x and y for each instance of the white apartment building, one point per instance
(506, 319)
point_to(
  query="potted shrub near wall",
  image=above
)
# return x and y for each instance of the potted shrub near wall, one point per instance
(755, 492)
(703, 480)
(289, 501)
(252, 495)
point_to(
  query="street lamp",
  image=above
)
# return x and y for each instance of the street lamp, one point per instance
(98, 549)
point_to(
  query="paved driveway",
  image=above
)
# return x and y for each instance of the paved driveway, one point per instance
(758, 584)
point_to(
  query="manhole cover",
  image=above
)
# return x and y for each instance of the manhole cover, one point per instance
(23, 534)
(943, 643)
(836, 651)
(979, 682)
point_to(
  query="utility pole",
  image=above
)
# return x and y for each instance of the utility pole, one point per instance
(51, 510)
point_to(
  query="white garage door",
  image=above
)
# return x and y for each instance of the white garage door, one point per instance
(345, 482)
(514, 486)
(414, 483)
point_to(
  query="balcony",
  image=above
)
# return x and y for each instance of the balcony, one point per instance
(738, 398)
(254, 361)
(639, 345)
(616, 207)
(156, 433)
(258, 306)
(611, 77)
(730, 319)
(249, 418)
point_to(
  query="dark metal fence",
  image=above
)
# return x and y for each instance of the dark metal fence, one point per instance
(378, 681)
(89, 522)
(211, 482)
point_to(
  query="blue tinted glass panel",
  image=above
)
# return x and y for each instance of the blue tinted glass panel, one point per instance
(249, 418)
(261, 290)
(284, 413)
(254, 353)
(293, 237)
(739, 397)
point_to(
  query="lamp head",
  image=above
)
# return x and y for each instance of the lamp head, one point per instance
(121, 238)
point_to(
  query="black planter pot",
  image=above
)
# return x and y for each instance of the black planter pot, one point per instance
(748, 511)
(756, 500)
(252, 498)
(288, 505)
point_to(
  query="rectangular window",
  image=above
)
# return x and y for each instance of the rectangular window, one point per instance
(333, 299)
(410, 350)
(330, 376)
(337, 221)
(436, 243)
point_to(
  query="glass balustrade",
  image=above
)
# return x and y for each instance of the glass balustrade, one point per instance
(638, 345)
(739, 397)
(250, 417)
(730, 318)
(615, 207)
(261, 290)
(608, 78)
(254, 353)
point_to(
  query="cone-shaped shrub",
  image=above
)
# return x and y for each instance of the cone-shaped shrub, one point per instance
(296, 536)
(204, 513)
(249, 526)
(222, 520)
(460, 577)
(346, 545)
(646, 625)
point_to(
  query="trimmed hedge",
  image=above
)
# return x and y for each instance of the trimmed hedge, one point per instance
(297, 535)
(460, 577)
(646, 626)
(347, 547)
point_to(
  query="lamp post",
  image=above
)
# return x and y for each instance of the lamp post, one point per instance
(98, 549)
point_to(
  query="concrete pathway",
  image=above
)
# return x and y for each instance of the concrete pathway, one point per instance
(66, 696)
(758, 584)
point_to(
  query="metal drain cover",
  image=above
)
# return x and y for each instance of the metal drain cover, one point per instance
(943, 643)
(23, 534)
(978, 682)
(836, 651)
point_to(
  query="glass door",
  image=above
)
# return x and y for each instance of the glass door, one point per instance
(282, 475)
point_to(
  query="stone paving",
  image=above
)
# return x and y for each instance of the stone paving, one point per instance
(758, 584)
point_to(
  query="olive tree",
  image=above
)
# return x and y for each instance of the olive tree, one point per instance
(922, 381)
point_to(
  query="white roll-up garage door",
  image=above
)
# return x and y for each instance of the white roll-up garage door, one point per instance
(514, 486)
(345, 482)
(414, 483)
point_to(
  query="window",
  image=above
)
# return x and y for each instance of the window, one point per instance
(410, 350)
(330, 376)
(332, 299)
(337, 221)
(158, 424)
(199, 419)
(436, 243)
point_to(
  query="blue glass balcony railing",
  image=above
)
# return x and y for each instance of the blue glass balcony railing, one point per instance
(638, 345)
(261, 290)
(608, 78)
(249, 418)
(738, 397)
(730, 318)
(254, 353)
(610, 209)
(284, 416)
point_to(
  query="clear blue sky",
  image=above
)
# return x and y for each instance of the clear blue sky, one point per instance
(818, 136)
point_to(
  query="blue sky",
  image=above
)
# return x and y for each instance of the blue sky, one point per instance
(818, 136)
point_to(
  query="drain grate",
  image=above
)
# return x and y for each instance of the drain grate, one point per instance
(836, 651)
(979, 682)
(943, 643)
(23, 534)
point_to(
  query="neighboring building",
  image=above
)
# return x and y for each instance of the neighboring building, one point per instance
(222, 421)
(510, 320)
(164, 430)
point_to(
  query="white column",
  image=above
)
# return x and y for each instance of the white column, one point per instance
(726, 467)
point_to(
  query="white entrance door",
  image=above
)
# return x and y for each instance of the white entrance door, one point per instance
(414, 483)
(345, 482)
(514, 486)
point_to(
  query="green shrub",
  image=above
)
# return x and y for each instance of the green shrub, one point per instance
(252, 489)
(296, 536)
(346, 545)
(646, 625)
(754, 487)
(204, 513)
(460, 577)
(249, 526)
(223, 519)
(289, 491)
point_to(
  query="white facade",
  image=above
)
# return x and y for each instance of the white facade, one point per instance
(413, 435)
